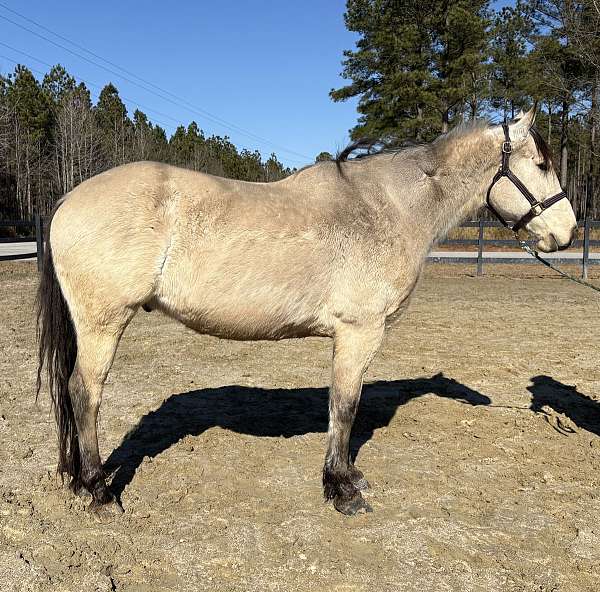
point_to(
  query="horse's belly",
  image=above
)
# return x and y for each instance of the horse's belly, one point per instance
(243, 320)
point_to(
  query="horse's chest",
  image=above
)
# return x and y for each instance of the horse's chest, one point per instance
(400, 293)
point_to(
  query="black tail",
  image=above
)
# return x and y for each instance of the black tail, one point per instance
(57, 352)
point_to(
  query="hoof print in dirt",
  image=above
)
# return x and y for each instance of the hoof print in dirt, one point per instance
(352, 506)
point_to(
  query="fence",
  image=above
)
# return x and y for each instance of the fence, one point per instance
(38, 225)
(479, 258)
(583, 258)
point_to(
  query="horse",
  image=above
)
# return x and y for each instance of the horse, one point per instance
(334, 250)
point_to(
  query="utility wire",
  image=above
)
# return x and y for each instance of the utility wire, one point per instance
(179, 101)
(100, 86)
(88, 82)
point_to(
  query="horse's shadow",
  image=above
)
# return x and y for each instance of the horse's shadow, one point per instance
(563, 398)
(267, 412)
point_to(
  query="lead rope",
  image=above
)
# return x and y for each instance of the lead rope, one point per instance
(547, 263)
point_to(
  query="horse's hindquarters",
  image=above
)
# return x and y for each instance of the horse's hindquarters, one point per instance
(107, 243)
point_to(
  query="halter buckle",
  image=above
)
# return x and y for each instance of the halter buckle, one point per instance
(537, 209)
(507, 147)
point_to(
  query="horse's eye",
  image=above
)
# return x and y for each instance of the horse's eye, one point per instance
(543, 167)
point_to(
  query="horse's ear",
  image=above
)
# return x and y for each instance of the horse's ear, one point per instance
(519, 129)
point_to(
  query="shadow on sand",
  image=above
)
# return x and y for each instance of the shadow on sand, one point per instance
(583, 411)
(268, 412)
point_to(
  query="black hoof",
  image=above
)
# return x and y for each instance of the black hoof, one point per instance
(82, 492)
(351, 506)
(79, 489)
(106, 508)
(103, 499)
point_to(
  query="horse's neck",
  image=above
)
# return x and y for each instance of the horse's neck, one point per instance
(453, 193)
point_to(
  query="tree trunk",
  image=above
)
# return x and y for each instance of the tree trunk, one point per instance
(564, 137)
(594, 131)
(445, 121)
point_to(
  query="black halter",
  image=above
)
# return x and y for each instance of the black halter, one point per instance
(537, 207)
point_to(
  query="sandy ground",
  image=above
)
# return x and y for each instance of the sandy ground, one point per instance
(479, 431)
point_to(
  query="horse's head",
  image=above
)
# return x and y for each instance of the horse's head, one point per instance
(552, 224)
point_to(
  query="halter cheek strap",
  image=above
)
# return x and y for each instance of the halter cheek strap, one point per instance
(537, 207)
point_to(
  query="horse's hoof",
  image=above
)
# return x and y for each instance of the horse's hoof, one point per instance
(351, 506)
(81, 492)
(112, 507)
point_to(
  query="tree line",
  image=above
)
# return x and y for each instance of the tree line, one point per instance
(417, 69)
(420, 67)
(53, 137)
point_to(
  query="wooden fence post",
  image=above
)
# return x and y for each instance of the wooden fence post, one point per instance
(39, 240)
(586, 249)
(480, 249)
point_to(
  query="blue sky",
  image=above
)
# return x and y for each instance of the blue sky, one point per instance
(266, 66)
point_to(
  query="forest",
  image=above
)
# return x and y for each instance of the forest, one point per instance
(417, 70)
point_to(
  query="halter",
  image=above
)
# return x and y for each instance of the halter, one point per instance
(537, 207)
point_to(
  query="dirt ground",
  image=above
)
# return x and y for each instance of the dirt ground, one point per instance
(479, 431)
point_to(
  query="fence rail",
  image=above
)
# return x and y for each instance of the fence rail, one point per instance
(479, 257)
(37, 224)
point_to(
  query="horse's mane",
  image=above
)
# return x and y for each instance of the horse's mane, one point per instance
(372, 146)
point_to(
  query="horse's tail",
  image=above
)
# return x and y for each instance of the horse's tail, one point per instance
(57, 352)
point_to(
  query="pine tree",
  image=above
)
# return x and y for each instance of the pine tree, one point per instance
(389, 70)
(32, 125)
(58, 82)
(416, 66)
(113, 123)
(559, 70)
(323, 157)
(458, 54)
(510, 67)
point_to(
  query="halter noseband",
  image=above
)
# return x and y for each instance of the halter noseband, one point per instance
(537, 207)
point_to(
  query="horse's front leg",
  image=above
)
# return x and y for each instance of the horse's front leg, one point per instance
(354, 348)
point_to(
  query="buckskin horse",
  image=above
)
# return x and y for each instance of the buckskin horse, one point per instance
(334, 250)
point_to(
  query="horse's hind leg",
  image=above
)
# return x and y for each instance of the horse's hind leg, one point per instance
(354, 349)
(96, 346)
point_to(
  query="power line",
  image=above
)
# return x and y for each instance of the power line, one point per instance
(179, 101)
(99, 86)
(88, 82)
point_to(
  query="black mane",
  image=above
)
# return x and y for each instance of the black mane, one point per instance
(542, 148)
(366, 147)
